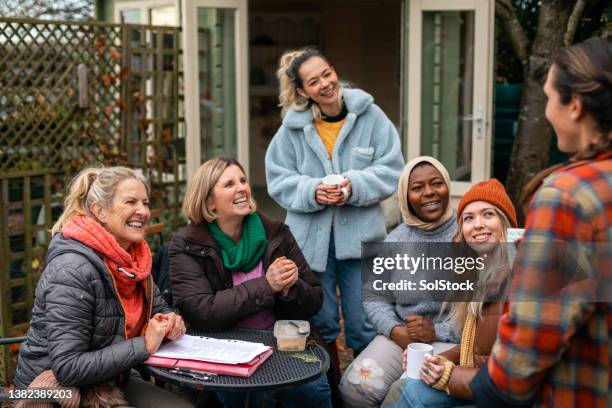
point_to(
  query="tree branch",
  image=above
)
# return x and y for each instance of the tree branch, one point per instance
(505, 10)
(573, 22)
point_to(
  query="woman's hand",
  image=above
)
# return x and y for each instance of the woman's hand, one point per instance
(420, 328)
(154, 334)
(346, 185)
(290, 282)
(404, 359)
(431, 370)
(282, 273)
(399, 334)
(328, 195)
(175, 324)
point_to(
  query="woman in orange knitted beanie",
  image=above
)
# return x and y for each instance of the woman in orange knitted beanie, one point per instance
(484, 214)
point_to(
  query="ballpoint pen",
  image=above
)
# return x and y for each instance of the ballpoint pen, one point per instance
(189, 370)
(193, 375)
(200, 375)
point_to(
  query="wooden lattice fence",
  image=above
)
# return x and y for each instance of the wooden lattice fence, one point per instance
(75, 94)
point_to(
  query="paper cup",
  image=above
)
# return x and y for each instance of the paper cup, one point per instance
(415, 356)
(332, 179)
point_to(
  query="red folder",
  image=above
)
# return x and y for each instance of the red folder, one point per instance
(236, 370)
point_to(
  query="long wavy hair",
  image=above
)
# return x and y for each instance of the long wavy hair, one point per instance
(496, 270)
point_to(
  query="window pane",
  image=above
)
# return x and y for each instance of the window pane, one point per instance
(164, 16)
(447, 90)
(217, 76)
(131, 16)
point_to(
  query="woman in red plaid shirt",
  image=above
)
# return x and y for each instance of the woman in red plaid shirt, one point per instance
(557, 351)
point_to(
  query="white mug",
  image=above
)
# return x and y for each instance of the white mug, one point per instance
(415, 357)
(332, 179)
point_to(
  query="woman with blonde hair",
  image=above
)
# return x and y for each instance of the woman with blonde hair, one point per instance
(334, 159)
(484, 214)
(97, 312)
(234, 267)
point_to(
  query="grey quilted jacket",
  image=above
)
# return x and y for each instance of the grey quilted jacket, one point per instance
(78, 323)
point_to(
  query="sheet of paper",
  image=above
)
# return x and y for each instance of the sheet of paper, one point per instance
(209, 349)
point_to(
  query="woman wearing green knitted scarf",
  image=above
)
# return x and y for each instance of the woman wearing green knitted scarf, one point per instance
(234, 267)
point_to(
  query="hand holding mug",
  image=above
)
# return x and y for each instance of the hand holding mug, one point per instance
(416, 354)
(345, 190)
(327, 195)
(431, 370)
(330, 192)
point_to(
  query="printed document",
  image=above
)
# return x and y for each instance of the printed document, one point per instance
(210, 349)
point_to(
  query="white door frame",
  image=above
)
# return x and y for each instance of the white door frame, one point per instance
(192, 83)
(144, 7)
(483, 82)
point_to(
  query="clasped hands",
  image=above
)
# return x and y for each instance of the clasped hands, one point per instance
(416, 329)
(282, 274)
(332, 195)
(168, 325)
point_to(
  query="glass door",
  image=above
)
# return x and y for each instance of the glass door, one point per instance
(216, 82)
(450, 83)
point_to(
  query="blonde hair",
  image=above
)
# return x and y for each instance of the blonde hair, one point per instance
(94, 185)
(496, 269)
(199, 191)
(289, 81)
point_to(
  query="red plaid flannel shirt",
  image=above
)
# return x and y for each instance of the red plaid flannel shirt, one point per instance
(559, 354)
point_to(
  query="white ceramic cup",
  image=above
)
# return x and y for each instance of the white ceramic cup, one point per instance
(332, 179)
(415, 356)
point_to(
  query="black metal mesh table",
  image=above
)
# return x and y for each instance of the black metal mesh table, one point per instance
(278, 371)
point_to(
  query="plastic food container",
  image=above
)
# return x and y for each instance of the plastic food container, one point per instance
(291, 334)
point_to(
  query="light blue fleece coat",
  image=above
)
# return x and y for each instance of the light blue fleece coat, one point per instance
(367, 151)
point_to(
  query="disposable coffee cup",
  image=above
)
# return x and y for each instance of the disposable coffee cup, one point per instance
(332, 179)
(415, 357)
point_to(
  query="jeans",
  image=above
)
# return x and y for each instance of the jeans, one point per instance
(409, 393)
(313, 394)
(347, 275)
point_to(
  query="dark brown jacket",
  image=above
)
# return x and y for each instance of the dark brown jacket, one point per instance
(205, 295)
(486, 332)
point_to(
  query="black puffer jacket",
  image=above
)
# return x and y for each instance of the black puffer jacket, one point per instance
(78, 324)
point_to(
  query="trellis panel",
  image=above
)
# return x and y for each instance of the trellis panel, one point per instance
(126, 110)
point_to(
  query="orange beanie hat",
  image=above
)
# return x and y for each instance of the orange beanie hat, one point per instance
(491, 191)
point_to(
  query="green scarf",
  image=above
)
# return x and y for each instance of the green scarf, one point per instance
(244, 255)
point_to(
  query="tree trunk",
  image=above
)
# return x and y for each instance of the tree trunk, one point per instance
(530, 151)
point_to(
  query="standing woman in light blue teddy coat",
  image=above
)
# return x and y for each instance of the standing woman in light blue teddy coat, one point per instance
(328, 129)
